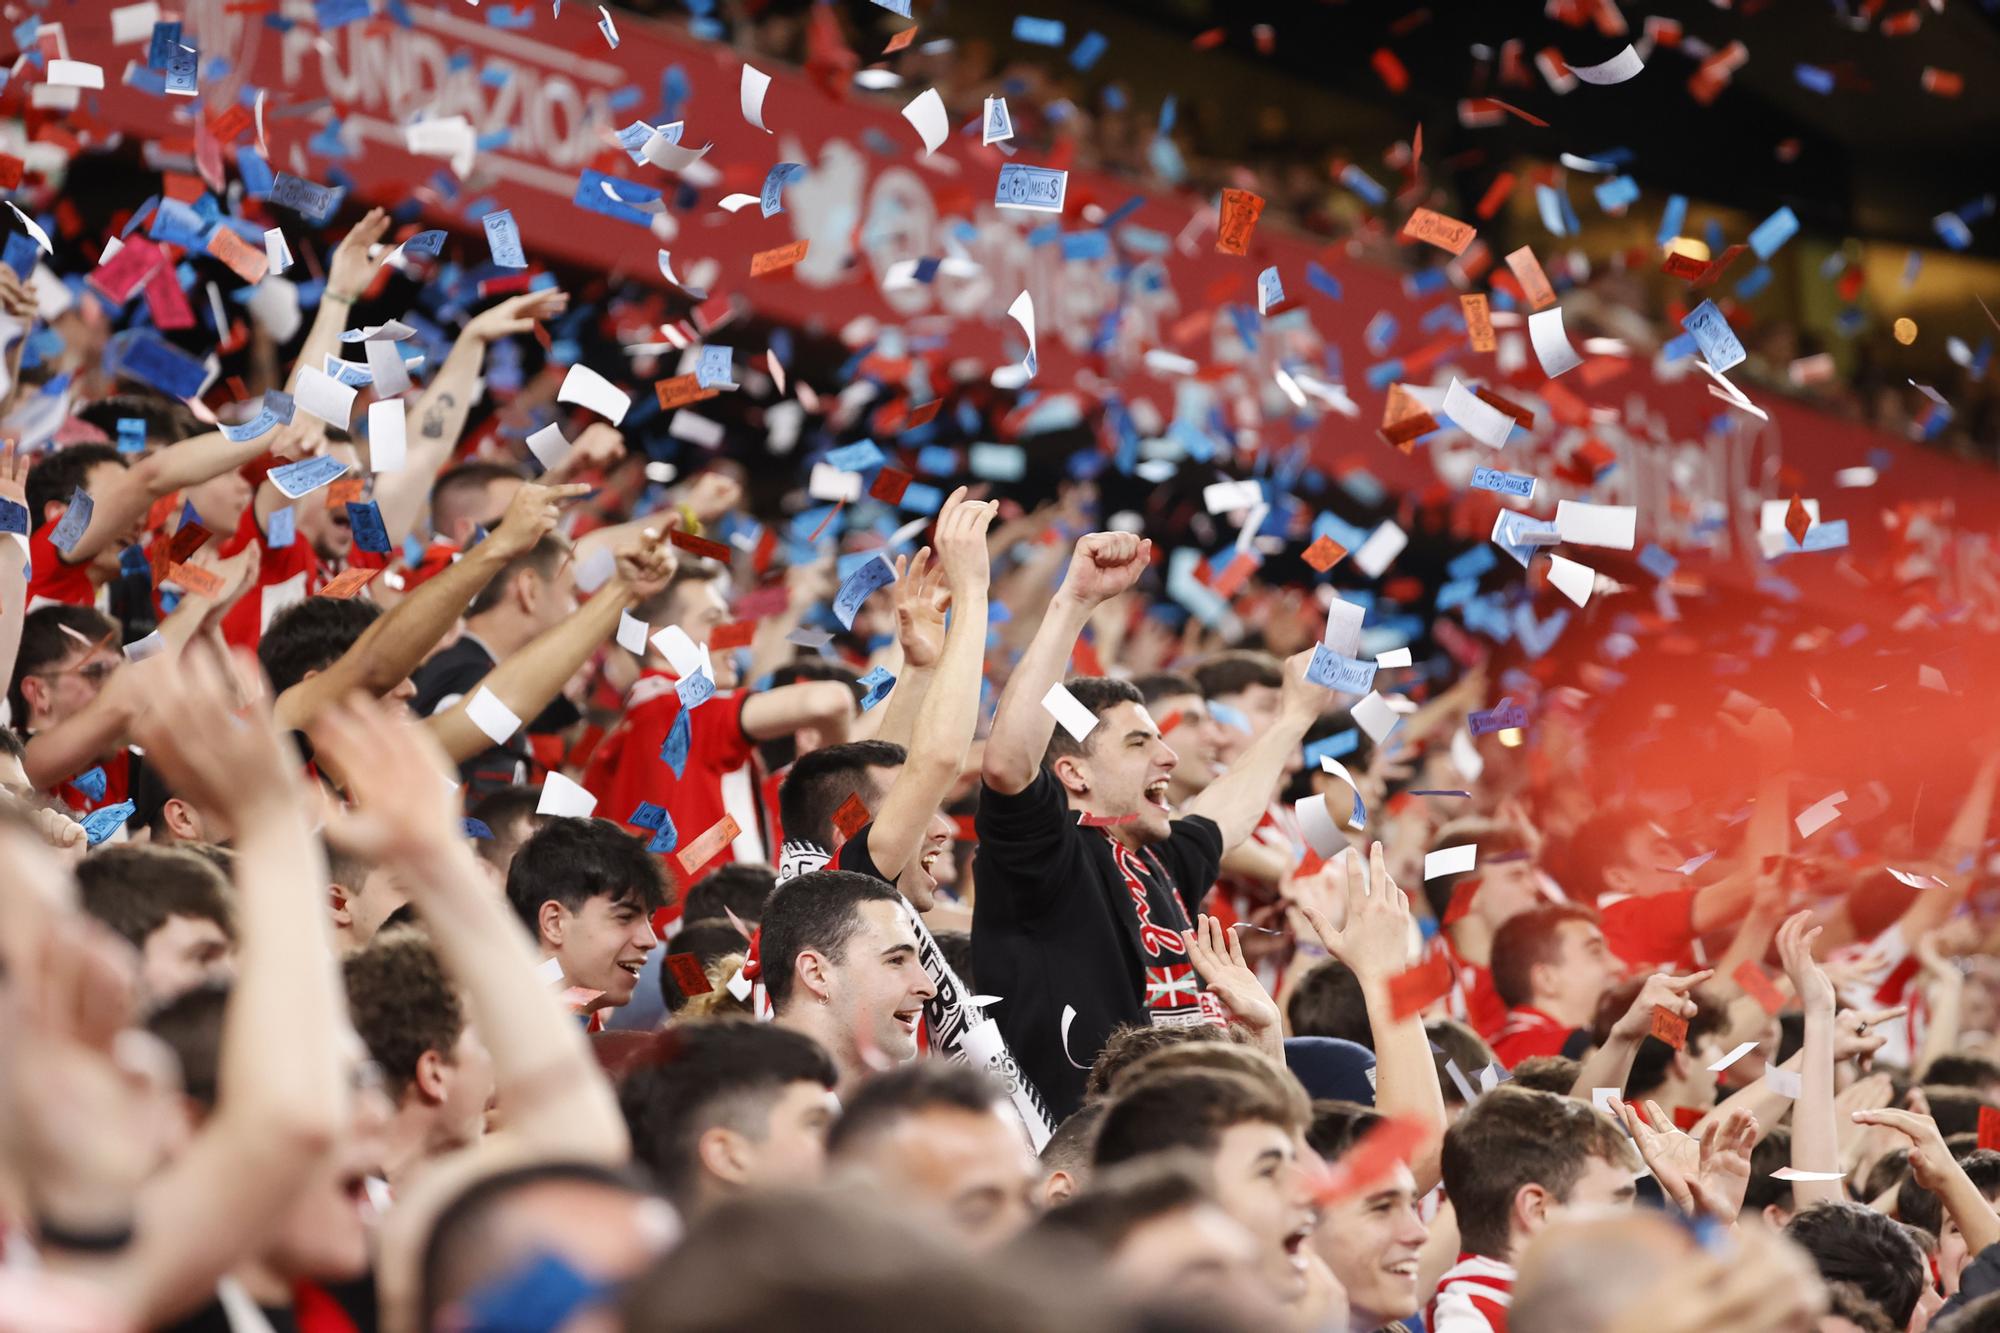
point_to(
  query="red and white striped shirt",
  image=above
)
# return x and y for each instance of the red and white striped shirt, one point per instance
(1472, 1297)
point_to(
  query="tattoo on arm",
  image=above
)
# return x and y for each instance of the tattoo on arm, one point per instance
(433, 427)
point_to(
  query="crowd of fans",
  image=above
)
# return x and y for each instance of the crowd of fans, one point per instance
(455, 882)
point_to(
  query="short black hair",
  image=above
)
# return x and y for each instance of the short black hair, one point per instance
(819, 783)
(1127, 1197)
(699, 1076)
(710, 941)
(1157, 685)
(1849, 1242)
(402, 1003)
(1337, 1126)
(1098, 694)
(544, 558)
(56, 475)
(1072, 1144)
(48, 635)
(1921, 1207)
(191, 1026)
(135, 887)
(1650, 1061)
(741, 887)
(1514, 1137)
(1526, 941)
(168, 421)
(1549, 1073)
(1327, 1002)
(1963, 1071)
(571, 861)
(888, 1098)
(311, 636)
(820, 911)
(1772, 1153)
(499, 810)
(1236, 671)
(1187, 1109)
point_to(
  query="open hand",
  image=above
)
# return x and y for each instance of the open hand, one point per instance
(516, 314)
(1375, 940)
(1217, 956)
(352, 267)
(921, 602)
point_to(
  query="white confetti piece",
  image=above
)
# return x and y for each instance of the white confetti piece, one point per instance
(565, 799)
(1451, 860)
(755, 84)
(1069, 711)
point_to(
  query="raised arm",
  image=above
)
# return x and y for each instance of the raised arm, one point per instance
(1236, 801)
(1611, 1064)
(922, 597)
(95, 730)
(549, 1088)
(438, 415)
(282, 1085)
(348, 274)
(13, 558)
(1103, 565)
(1815, 1134)
(1374, 942)
(769, 714)
(1934, 1167)
(950, 708)
(529, 679)
(123, 498)
(391, 648)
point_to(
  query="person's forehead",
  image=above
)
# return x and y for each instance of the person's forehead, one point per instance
(1125, 716)
(1191, 707)
(884, 926)
(98, 473)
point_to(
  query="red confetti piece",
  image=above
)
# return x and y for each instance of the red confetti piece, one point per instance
(1669, 1027)
(889, 485)
(734, 634)
(1797, 521)
(1989, 1127)
(1370, 1161)
(1240, 211)
(348, 582)
(1390, 70)
(701, 546)
(1757, 984)
(689, 974)
(923, 416)
(1416, 989)
(1324, 554)
(852, 817)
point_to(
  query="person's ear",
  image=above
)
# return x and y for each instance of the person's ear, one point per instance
(183, 820)
(1776, 1216)
(1530, 1212)
(1680, 1066)
(34, 693)
(527, 590)
(343, 909)
(429, 1078)
(1619, 879)
(724, 1154)
(550, 920)
(1059, 1187)
(814, 973)
(53, 510)
(808, 739)
(1073, 773)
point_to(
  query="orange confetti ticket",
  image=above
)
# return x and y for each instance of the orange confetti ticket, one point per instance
(1447, 234)
(1757, 984)
(1718, 266)
(1534, 283)
(344, 491)
(900, 40)
(1409, 430)
(784, 256)
(1669, 1027)
(682, 390)
(1478, 320)
(705, 848)
(201, 582)
(1496, 195)
(1234, 574)
(245, 260)
(231, 123)
(852, 817)
(348, 582)
(1240, 211)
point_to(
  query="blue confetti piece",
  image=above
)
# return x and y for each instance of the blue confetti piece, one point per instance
(1350, 675)
(476, 828)
(666, 838)
(771, 198)
(1717, 340)
(872, 574)
(1359, 181)
(503, 237)
(1754, 282)
(674, 751)
(1656, 560)
(1038, 32)
(1036, 189)
(1773, 232)
(714, 370)
(876, 684)
(13, 517)
(694, 691)
(1813, 77)
(101, 824)
(364, 519)
(281, 529)
(1088, 51)
(590, 197)
(1503, 716)
(1321, 280)
(1503, 483)
(858, 457)
(93, 784)
(1337, 746)
(648, 816)
(74, 523)
(1617, 194)
(1672, 218)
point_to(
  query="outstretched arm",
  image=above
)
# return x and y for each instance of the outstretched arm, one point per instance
(1103, 565)
(1611, 1064)
(1236, 801)
(1815, 1132)
(348, 274)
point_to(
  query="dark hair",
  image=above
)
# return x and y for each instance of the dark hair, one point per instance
(191, 1026)
(1921, 1207)
(460, 483)
(134, 888)
(821, 912)
(819, 783)
(1186, 1108)
(571, 861)
(710, 941)
(1327, 1002)
(1963, 1071)
(1527, 941)
(1548, 1073)
(1852, 1243)
(1130, 1043)
(701, 1076)
(1956, 1110)
(956, 948)
(402, 1004)
(1337, 1126)
(1158, 685)
(887, 1099)
(1494, 837)
(741, 886)
(1236, 671)
(1886, 1173)
(1070, 1147)
(1772, 1153)
(10, 743)
(1513, 1137)
(168, 421)
(1650, 1062)
(781, 751)
(47, 638)
(659, 608)
(543, 559)
(463, 1246)
(1124, 1198)
(57, 475)
(311, 636)
(500, 809)
(1596, 847)
(1452, 1042)
(1098, 694)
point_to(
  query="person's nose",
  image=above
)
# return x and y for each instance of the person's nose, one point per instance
(1166, 758)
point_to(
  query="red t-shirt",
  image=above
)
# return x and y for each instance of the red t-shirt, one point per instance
(1528, 1031)
(50, 579)
(117, 785)
(285, 575)
(626, 767)
(1652, 931)
(1472, 998)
